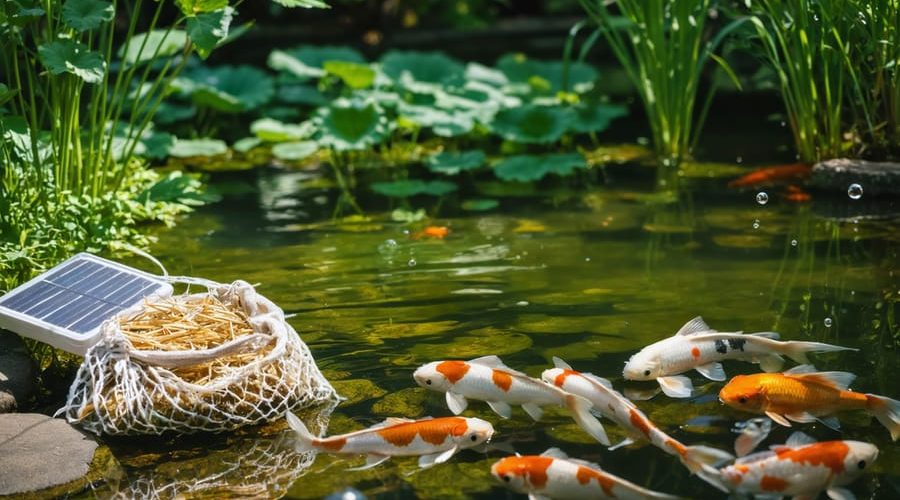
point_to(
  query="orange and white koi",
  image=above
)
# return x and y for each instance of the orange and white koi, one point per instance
(616, 407)
(696, 346)
(554, 475)
(805, 395)
(434, 440)
(488, 379)
(800, 469)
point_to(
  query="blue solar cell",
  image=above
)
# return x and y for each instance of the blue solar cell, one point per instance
(95, 279)
(46, 307)
(143, 292)
(28, 297)
(77, 274)
(94, 319)
(111, 287)
(73, 311)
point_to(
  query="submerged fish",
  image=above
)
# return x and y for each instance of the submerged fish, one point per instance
(554, 475)
(696, 346)
(770, 175)
(434, 440)
(620, 410)
(804, 395)
(488, 379)
(751, 433)
(801, 469)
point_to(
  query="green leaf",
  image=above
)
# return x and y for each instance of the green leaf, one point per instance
(66, 56)
(525, 168)
(356, 76)
(246, 144)
(306, 4)
(427, 67)
(408, 216)
(157, 146)
(480, 204)
(22, 16)
(308, 61)
(177, 187)
(282, 61)
(270, 130)
(413, 187)
(184, 148)
(194, 7)
(442, 123)
(6, 94)
(209, 29)
(84, 15)
(294, 151)
(231, 89)
(546, 76)
(532, 124)
(348, 126)
(301, 94)
(453, 163)
(596, 118)
(167, 44)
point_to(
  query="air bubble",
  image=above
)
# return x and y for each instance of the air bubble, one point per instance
(411, 263)
(762, 198)
(756, 224)
(827, 322)
(793, 243)
(855, 191)
(739, 159)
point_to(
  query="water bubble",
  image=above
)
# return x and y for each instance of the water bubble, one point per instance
(522, 303)
(855, 191)
(762, 198)
(587, 259)
(783, 124)
(411, 263)
(756, 224)
(827, 322)
(388, 247)
(793, 243)
(739, 159)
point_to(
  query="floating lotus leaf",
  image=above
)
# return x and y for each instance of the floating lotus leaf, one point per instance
(484, 74)
(298, 93)
(66, 56)
(427, 67)
(452, 163)
(531, 124)
(294, 151)
(85, 15)
(595, 118)
(156, 44)
(413, 187)
(158, 145)
(230, 89)
(270, 130)
(316, 56)
(171, 111)
(354, 75)
(246, 144)
(525, 168)
(306, 4)
(280, 60)
(441, 122)
(480, 204)
(348, 126)
(185, 148)
(546, 76)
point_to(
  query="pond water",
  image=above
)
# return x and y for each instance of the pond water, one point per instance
(590, 275)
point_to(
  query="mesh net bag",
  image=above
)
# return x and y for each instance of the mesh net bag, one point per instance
(211, 361)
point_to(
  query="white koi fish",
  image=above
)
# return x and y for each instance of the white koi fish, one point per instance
(433, 440)
(488, 379)
(554, 475)
(616, 407)
(696, 346)
(801, 469)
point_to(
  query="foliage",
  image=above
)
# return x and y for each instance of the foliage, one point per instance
(413, 187)
(452, 163)
(526, 168)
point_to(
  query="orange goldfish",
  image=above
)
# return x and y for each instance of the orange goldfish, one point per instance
(803, 395)
(771, 175)
(437, 232)
(434, 440)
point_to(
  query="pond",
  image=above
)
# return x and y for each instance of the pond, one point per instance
(590, 275)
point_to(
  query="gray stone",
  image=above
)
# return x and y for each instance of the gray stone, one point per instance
(876, 178)
(38, 452)
(16, 373)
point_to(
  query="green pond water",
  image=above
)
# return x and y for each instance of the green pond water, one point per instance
(590, 275)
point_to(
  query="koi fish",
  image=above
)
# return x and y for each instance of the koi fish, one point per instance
(554, 475)
(771, 175)
(802, 394)
(696, 346)
(434, 440)
(488, 379)
(801, 468)
(437, 232)
(616, 407)
(796, 194)
(751, 433)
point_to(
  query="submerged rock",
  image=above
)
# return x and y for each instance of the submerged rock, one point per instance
(841, 174)
(16, 373)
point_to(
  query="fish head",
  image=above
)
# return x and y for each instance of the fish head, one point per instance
(743, 392)
(554, 376)
(859, 457)
(473, 432)
(643, 366)
(513, 472)
(435, 375)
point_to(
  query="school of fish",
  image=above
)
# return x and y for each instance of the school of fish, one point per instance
(800, 468)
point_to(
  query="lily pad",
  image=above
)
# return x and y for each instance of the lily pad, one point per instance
(413, 187)
(442, 123)
(532, 124)
(231, 89)
(546, 76)
(480, 204)
(66, 56)
(452, 163)
(298, 93)
(348, 126)
(316, 56)
(427, 67)
(270, 130)
(185, 148)
(596, 118)
(354, 75)
(85, 15)
(525, 168)
(156, 44)
(246, 144)
(280, 60)
(294, 151)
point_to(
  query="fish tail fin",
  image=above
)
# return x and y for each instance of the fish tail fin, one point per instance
(797, 349)
(887, 411)
(304, 437)
(581, 412)
(713, 477)
(697, 458)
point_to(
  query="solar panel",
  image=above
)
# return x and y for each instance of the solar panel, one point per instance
(65, 306)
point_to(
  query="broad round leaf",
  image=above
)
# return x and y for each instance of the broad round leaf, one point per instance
(298, 93)
(246, 144)
(231, 89)
(280, 60)
(306, 4)
(413, 187)
(156, 44)
(526, 168)
(546, 76)
(428, 67)
(184, 148)
(441, 122)
(84, 15)
(531, 124)
(452, 163)
(66, 56)
(209, 29)
(315, 56)
(194, 7)
(356, 76)
(270, 130)
(480, 204)
(347, 126)
(596, 118)
(293, 151)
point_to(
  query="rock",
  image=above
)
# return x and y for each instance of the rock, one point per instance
(41, 456)
(875, 178)
(16, 373)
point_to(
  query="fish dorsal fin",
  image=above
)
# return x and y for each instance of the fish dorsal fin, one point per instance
(837, 380)
(599, 380)
(559, 363)
(491, 360)
(396, 421)
(555, 453)
(766, 335)
(754, 457)
(801, 369)
(799, 439)
(585, 463)
(696, 325)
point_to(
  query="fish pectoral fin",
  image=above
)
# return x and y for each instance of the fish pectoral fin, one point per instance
(501, 408)
(537, 496)
(372, 460)
(621, 444)
(712, 371)
(835, 493)
(771, 363)
(640, 394)
(677, 386)
(555, 453)
(798, 438)
(533, 410)
(803, 417)
(831, 422)
(456, 402)
(426, 461)
(778, 418)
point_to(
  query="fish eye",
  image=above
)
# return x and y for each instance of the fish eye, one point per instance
(742, 400)
(474, 437)
(506, 478)
(646, 373)
(428, 381)
(861, 464)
